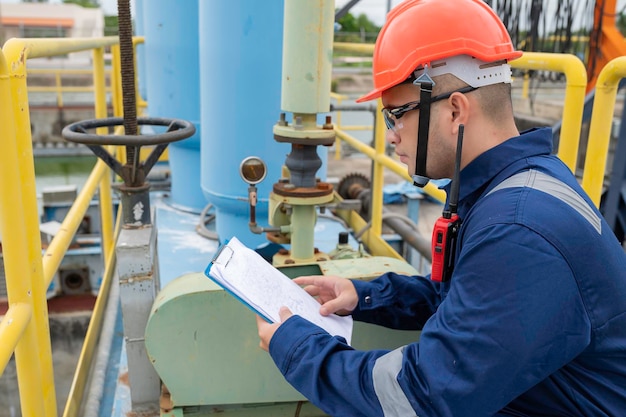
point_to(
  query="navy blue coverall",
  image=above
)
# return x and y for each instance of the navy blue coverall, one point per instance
(532, 323)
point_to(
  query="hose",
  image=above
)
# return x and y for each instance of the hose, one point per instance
(407, 229)
(201, 228)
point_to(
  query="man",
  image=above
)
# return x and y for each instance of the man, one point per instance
(533, 319)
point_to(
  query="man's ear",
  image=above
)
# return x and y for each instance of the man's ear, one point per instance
(459, 110)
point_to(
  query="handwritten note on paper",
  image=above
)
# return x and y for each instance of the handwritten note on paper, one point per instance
(249, 277)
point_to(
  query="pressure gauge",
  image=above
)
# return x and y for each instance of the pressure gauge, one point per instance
(252, 170)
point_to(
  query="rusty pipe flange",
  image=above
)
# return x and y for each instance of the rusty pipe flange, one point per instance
(321, 189)
(176, 130)
(311, 141)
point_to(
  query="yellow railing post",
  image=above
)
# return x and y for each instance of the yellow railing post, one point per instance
(58, 87)
(141, 102)
(116, 81)
(339, 99)
(576, 83)
(61, 242)
(525, 85)
(19, 221)
(33, 357)
(13, 325)
(77, 389)
(389, 163)
(339, 124)
(378, 174)
(100, 110)
(600, 127)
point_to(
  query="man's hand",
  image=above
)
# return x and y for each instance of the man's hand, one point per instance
(267, 330)
(335, 294)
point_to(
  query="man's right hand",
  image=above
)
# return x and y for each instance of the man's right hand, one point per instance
(335, 294)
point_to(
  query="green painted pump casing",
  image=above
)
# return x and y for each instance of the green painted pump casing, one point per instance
(204, 344)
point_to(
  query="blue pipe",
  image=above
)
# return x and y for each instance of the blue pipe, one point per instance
(240, 79)
(172, 59)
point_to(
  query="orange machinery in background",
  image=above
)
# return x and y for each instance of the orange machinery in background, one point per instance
(606, 42)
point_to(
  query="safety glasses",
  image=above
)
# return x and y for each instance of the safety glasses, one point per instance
(391, 116)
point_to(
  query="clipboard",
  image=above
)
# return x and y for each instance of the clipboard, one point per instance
(262, 288)
(222, 257)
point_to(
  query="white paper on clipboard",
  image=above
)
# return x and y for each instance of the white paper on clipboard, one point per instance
(250, 278)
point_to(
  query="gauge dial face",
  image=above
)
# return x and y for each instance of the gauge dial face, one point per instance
(253, 170)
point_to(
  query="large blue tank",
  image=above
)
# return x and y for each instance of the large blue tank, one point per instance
(172, 59)
(240, 79)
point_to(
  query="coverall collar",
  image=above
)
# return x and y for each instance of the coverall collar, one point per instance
(477, 175)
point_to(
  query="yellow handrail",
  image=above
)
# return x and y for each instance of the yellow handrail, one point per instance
(600, 127)
(24, 282)
(141, 103)
(573, 102)
(100, 110)
(58, 89)
(77, 389)
(62, 240)
(27, 273)
(12, 328)
(361, 48)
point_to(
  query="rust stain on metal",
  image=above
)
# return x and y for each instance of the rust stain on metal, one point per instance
(165, 402)
(137, 278)
(20, 63)
(287, 190)
(147, 413)
(123, 379)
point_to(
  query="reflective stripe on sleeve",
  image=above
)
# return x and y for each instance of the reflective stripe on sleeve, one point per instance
(539, 181)
(392, 398)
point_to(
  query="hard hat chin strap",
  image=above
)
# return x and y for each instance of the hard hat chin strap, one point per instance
(426, 89)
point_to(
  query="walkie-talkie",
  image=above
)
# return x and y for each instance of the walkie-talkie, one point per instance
(447, 226)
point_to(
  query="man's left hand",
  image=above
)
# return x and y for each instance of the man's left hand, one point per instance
(267, 330)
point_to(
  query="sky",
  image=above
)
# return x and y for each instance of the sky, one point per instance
(377, 9)
(374, 9)
(109, 7)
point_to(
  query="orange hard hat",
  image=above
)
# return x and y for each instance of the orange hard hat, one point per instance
(418, 32)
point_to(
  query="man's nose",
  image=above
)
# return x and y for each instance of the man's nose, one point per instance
(392, 137)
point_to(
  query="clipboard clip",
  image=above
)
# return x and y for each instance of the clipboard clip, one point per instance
(223, 257)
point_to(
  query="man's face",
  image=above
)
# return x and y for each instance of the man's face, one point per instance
(404, 135)
(441, 150)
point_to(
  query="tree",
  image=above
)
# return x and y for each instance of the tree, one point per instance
(361, 23)
(89, 4)
(357, 29)
(621, 22)
(111, 26)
